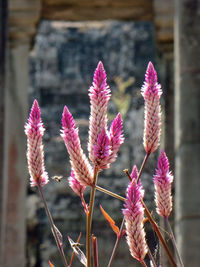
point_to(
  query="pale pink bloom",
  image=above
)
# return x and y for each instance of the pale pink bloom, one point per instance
(80, 164)
(102, 150)
(134, 176)
(151, 91)
(35, 154)
(162, 183)
(99, 94)
(134, 215)
(75, 185)
(116, 137)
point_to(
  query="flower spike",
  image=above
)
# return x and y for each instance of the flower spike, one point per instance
(162, 183)
(134, 215)
(75, 185)
(35, 153)
(151, 91)
(116, 137)
(79, 162)
(99, 94)
(102, 150)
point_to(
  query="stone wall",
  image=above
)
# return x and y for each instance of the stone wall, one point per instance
(62, 63)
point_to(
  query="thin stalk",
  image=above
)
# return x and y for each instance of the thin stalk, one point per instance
(110, 193)
(157, 231)
(143, 263)
(95, 252)
(52, 226)
(89, 218)
(174, 242)
(142, 167)
(151, 257)
(123, 221)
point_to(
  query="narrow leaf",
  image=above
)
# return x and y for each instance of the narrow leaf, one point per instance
(59, 235)
(72, 257)
(110, 220)
(51, 265)
(79, 253)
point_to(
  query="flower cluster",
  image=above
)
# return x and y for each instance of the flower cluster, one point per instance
(103, 146)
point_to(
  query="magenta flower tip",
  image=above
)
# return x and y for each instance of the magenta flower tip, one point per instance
(67, 119)
(151, 86)
(102, 150)
(134, 173)
(151, 75)
(116, 128)
(163, 163)
(100, 75)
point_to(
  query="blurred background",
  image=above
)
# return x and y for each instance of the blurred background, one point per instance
(49, 50)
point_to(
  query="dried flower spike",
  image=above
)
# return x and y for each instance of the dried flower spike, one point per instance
(35, 154)
(134, 215)
(151, 91)
(99, 94)
(80, 165)
(162, 183)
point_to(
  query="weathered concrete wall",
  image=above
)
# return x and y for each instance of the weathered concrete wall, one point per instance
(187, 137)
(62, 63)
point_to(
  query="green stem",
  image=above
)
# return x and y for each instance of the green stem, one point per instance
(52, 226)
(89, 218)
(174, 242)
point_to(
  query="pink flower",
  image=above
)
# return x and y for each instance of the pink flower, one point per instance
(99, 94)
(162, 183)
(134, 215)
(80, 165)
(116, 137)
(151, 91)
(75, 185)
(102, 150)
(134, 176)
(35, 154)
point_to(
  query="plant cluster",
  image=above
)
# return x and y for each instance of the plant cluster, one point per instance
(103, 146)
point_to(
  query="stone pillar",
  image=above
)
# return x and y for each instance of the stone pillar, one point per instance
(22, 17)
(187, 125)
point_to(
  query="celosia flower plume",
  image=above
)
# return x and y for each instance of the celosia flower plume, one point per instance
(102, 150)
(134, 176)
(75, 185)
(162, 183)
(151, 91)
(116, 137)
(80, 164)
(99, 94)
(134, 215)
(35, 154)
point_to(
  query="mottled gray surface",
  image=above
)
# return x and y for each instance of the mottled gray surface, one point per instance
(62, 63)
